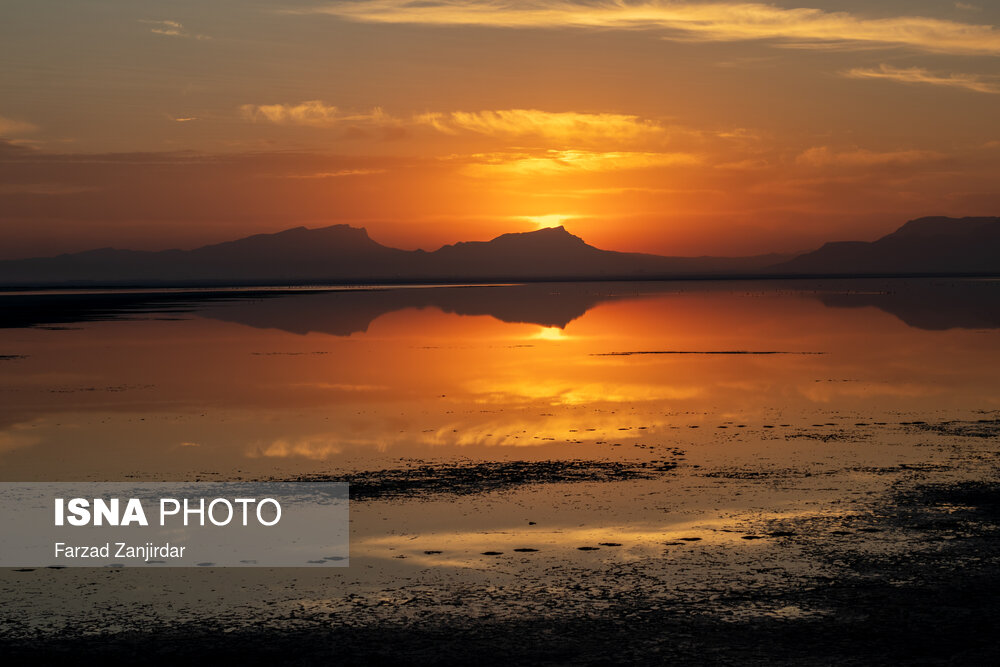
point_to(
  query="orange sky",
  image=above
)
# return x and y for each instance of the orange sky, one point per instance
(681, 128)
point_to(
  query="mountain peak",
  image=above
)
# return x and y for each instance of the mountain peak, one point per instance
(558, 230)
(925, 246)
(943, 226)
(547, 234)
(340, 228)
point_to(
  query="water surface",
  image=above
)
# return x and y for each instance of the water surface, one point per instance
(539, 450)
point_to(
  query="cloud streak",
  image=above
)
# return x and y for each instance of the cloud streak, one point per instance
(170, 29)
(9, 126)
(340, 173)
(554, 127)
(555, 162)
(558, 126)
(919, 75)
(823, 156)
(312, 113)
(713, 21)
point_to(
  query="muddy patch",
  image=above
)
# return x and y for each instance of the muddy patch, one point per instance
(426, 480)
(911, 577)
(709, 352)
(980, 428)
(114, 389)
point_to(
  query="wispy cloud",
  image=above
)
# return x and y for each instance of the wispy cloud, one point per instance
(562, 127)
(170, 29)
(823, 156)
(711, 21)
(559, 126)
(9, 126)
(555, 162)
(340, 173)
(972, 82)
(313, 113)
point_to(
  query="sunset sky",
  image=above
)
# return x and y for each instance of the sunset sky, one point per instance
(681, 128)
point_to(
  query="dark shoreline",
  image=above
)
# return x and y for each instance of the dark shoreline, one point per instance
(482, 281)
(937, 605)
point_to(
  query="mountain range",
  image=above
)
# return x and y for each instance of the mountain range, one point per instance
(924, 246)
(345, 254)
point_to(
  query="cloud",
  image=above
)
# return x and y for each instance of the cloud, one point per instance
(748, 164)
(697, 21)
(564, 128)
(972, 82)
(559, 126)
(170, 29)
(9, 126)
(555, 162)
(822, 156)
(340, 173)
(313, 113)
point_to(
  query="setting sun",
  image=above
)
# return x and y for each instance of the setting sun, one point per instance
(546, 221)
(550, 333)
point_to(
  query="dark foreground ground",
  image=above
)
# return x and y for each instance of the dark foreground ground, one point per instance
(938, 604)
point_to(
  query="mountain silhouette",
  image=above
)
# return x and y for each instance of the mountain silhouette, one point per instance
(337, 252)
(925, 246)
(342, 253)
(345, 254)
(555, 253)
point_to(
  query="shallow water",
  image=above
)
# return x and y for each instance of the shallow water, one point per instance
(279, 384)
(523, 447)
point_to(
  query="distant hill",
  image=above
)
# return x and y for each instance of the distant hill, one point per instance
(295, 254)
(345, 254)
(924, 246)
(554, 252)
(341, 253)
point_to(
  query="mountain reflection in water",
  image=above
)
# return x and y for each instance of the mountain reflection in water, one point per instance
(932, 304)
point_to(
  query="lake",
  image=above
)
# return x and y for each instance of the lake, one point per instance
(552, 451)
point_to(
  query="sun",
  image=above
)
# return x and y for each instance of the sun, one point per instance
(551, 220)
(550, 333)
